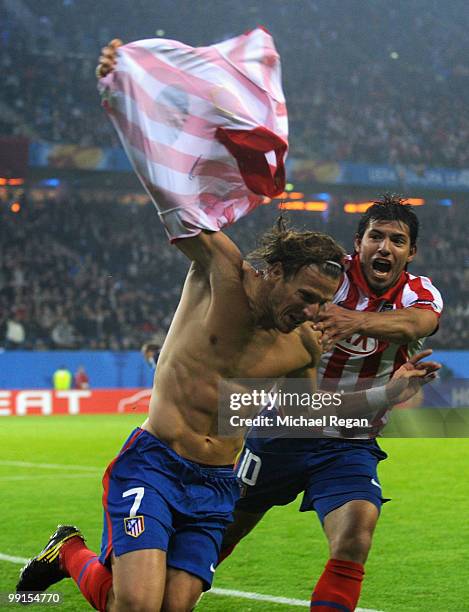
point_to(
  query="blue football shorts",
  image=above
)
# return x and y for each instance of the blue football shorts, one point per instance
(328, 471)
(154, 498)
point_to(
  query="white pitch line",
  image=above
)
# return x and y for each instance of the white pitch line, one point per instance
(47, 476)
(259, 597)
(51, 466)
(226, 592)
(271, 598)
(10, 559)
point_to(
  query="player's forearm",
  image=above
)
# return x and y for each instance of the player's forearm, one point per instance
(359, 404)
(206, 247)
(399, 326)
(194, 248)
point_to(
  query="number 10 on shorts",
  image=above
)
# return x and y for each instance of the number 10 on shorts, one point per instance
(249, 468)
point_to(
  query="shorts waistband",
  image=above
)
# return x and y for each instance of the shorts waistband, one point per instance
(228, 466)
(207, 469)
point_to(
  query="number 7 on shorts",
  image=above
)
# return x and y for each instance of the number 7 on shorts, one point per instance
(138, 492)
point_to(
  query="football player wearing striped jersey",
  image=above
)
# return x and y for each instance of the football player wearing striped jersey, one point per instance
(379, 318)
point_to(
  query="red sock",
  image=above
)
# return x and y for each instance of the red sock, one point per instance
(93, 579)
(226, 552)
(338, 588)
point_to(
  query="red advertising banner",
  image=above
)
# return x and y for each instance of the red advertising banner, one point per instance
(75, 401)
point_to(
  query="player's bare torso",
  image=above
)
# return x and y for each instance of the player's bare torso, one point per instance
(213, 337)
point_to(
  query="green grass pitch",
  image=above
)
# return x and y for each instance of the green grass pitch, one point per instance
(419, 561)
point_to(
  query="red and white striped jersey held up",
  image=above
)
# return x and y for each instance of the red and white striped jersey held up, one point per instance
(205, 128)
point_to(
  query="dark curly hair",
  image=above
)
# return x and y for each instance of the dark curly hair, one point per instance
(295, 249)
(391, 207)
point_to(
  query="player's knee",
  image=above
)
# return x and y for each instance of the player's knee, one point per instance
(182, 591)
(134, 600)
(351, 546)
(179, 602)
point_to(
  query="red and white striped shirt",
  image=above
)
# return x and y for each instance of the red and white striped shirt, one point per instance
(360, 362)
(205, 128)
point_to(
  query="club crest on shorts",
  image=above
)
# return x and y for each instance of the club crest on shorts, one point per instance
(134, 526)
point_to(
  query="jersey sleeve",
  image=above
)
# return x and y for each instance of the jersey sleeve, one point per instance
(342, 292)
(421, 293)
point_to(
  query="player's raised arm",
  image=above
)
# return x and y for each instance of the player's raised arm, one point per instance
(210, 248)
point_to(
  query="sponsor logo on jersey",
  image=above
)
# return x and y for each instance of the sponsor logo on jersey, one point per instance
(134, 526)
(358, 345)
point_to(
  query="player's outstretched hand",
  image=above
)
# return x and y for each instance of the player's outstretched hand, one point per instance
(411, 376)
(108, 58)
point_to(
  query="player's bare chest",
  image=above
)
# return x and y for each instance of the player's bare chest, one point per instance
(271, 356)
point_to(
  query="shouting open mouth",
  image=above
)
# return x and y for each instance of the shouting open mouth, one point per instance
(381, 267)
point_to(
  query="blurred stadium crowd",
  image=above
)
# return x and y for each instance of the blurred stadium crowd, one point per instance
(354, 93)
(87, 274)
(82, 271)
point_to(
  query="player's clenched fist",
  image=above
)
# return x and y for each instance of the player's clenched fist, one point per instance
(108, 58)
